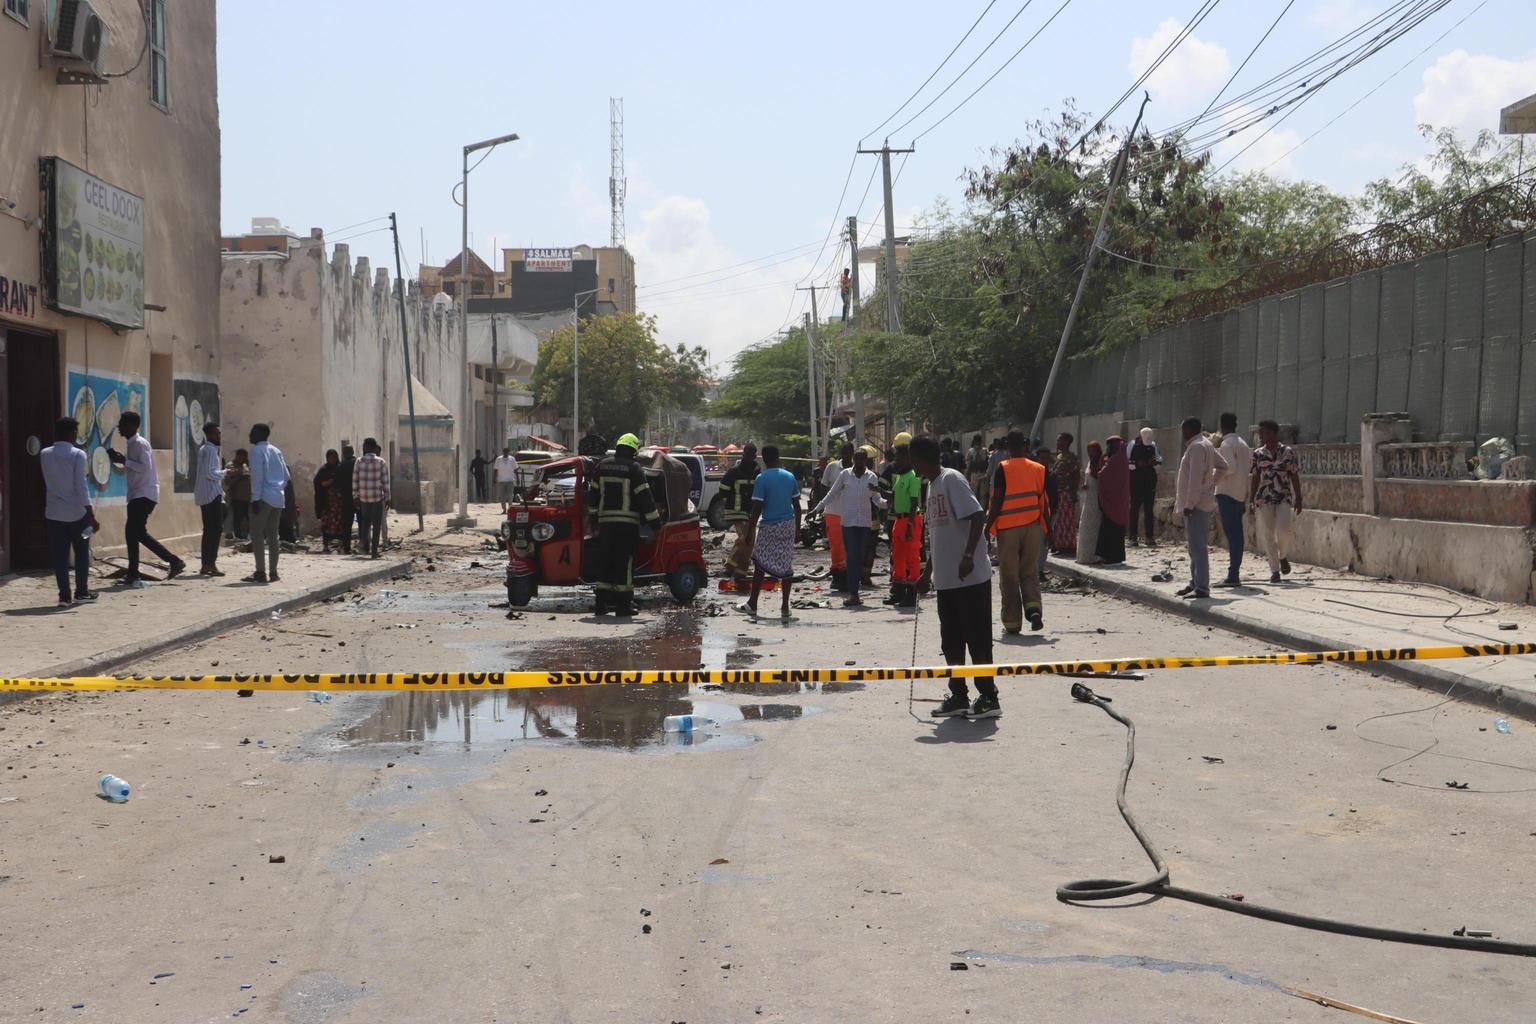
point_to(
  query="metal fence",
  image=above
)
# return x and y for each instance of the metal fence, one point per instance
(1450, 338)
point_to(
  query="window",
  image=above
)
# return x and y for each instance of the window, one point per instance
(610, 284)
(159, 85)
(17, 9)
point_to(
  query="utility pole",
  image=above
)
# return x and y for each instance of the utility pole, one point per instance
(1082, 283)
(497, 438)
(810, 362)
(892, 306)
(410, 395)
(858, 396)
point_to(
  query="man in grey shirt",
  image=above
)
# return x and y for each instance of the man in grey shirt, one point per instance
(955, 521)
(67, 512)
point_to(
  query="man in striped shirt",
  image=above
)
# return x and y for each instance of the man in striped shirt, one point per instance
(370, 489)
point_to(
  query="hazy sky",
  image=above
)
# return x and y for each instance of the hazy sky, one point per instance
(741, 119)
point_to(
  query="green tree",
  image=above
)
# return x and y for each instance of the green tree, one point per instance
(624, 372)
(768, 391)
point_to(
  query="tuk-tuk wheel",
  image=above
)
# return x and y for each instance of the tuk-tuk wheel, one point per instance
(685, 582)
(520, 590)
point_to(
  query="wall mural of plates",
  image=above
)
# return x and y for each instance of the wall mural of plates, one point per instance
(97, 399)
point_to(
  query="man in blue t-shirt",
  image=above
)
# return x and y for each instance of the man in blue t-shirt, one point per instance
(773, 528)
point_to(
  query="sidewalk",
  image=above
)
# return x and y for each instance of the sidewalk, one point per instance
(1323, 609)
(126, 625)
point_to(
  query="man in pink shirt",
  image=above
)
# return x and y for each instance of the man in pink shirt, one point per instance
(1195, 499)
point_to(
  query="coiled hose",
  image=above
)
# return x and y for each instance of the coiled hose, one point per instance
(1093, 889)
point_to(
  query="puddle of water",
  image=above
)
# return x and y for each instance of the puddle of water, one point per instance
(622, 717)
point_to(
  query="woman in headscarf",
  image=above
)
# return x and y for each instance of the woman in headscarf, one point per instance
(1090, 515)
(328, 503)
(1114, 502)
(1067, 469)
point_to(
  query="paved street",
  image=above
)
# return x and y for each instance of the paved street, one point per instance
(824, 856)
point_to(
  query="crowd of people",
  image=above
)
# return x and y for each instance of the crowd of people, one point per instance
(250, 497)
(951, 515)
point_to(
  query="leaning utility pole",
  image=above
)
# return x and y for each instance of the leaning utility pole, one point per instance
(410, 396)
(1082, 284)
(810, 363)
(892, 307)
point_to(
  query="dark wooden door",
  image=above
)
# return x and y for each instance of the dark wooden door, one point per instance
(31, 396)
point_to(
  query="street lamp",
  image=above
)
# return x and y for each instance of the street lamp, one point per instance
(464, 518)
(576, 364)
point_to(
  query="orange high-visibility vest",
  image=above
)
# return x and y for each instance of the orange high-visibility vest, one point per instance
(1024, 500)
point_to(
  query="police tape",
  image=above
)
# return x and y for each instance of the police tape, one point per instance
(377, 682)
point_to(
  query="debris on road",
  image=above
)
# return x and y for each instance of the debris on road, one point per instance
(276, 858)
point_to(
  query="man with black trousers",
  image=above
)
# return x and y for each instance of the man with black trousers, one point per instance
(67, 513)
(343, 494)
(208, 491)
(143, 495)
(1144, 458)
(955, 521)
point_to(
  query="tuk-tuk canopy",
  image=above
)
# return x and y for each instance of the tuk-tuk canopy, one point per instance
(674, 486)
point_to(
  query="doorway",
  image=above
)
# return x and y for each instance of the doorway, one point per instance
(29, 404)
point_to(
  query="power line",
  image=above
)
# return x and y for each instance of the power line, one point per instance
(966, 70)
(732, 266)
(1373, 91)
(712, 281)
(931, 74)
(1228, 83)
(994, 74)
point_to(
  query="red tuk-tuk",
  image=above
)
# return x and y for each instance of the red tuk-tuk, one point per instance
(547, 534)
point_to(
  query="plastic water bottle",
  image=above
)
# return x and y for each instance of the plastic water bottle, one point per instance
(85, 534)
(114, 788)
(686, 723)
(319, 697)
(1501, 724)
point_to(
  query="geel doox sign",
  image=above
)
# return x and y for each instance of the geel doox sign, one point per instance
(93, 251)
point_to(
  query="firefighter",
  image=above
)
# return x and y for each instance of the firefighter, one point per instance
(624, 506)
(736, 486)
(906, 498)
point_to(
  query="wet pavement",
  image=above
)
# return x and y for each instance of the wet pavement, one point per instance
(617, 717)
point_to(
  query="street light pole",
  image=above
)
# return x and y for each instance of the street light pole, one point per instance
(464, 519)
(576, 366)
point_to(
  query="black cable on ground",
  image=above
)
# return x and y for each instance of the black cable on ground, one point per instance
(1094, 889)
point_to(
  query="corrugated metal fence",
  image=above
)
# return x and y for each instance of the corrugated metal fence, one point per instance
(1450, 338)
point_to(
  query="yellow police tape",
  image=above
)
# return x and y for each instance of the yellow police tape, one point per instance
(370, 682)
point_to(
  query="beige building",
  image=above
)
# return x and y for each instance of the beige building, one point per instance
(109, 236)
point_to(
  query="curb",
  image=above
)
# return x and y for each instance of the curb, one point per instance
(105, 662)
(1428, 677)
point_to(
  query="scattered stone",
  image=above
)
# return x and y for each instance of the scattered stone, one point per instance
(534, 821)
(725, 966)
(718, 860)
(645, 929)
(1331, 728)
(541, 792)
(959, 965)
(647, 913)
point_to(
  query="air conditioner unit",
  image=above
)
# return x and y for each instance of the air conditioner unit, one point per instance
(81, 34)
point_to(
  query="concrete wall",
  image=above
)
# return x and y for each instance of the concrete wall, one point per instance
(312, 347)
(1449, 338)
(171, 159)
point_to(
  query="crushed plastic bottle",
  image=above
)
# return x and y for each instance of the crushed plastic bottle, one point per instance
(1501, 724)
(114, 788)
(686, 723)
(319, 697)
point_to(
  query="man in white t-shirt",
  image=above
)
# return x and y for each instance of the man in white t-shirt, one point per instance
(955, 522)
(505, 468)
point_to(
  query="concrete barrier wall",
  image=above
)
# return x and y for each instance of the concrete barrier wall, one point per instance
(1449, 338)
